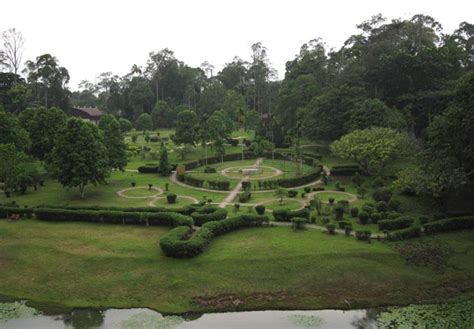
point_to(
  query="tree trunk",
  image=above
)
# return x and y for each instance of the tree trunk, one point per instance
(82, 189)
(157, 91)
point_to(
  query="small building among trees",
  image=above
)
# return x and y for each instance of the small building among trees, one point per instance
(92, 114)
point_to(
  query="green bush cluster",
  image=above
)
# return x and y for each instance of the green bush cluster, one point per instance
(285, 215)
(245, 196)
(178, 244)
(218, 185)
(171, 198)
(260, 209)
(208, 213)
(298, 223)
(186, 210)
(395, 224)
(7, 211)
(449, 224)
(149, 168)
(210, 170)
(292, 193)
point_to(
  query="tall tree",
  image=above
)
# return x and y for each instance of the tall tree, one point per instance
(12, 133)
(79, 156)
(114, 142)
(13, 43)
(186, 128)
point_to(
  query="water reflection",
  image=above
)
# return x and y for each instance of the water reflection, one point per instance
(84, 319)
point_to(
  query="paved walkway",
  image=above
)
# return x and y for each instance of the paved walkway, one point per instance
(229, 198)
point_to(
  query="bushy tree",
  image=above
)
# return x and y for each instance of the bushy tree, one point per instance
(186, 128)
(79, 156)
(144, 122)
(371, 148)
(12, 133)
(43, 126)
(116, 148)
(164, 167)
(10, 161)
(105, 120)
(125, 125)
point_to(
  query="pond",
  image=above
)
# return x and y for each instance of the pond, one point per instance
(456, 315)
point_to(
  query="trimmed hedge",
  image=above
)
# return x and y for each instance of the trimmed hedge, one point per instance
(178, 244)
(208, 214)
(186, 210)
(395, 224)
(345, 170)
(363, 235)
(449, 224)
(284, 215)
(403, 234)
(7, 211)
(113, 217)
(148, 169)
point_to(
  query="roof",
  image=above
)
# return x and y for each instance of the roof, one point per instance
(91, 111)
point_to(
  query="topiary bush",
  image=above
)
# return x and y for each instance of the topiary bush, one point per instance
(339, 212)
(363, 218)
(382, 194)
(348, 229)
(260, 209)
(298, 223)
(210, 170)
(354, 212)
(171, 197)
(375, 217)
(208, 213)
(244, 197)
(381, 206)
(363, 235)
(292, 193)
(394, 205)
(343, 224)
(331, 229)
(285, 215)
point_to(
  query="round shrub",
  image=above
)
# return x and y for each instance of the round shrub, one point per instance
(363, 217)
(339, 212)
(210, 170)
(307, 189)
(331, 200)
(331, 229)
(292, 193)
(394, 205)
(171, 197)
(368, 207)
(237, 207)
(382, 194)
(298, 223)
(260, 209)
(381, 206)
(375, 217)
(348, 229)
(354, 212)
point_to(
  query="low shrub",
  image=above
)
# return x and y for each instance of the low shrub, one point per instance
(298, 223)
(292, 193)
(339, 212)
(348, 229)
(363, 235)
(395, 224)
(354, 212)
(449, 224)
(210, 170)
(246, 185)
(331, 229)
(423, 219)
(260, 209)
(307, 189)
(236, 207)
(234, 142)
(403, 234)
(375, 217)
(343, 224)
(149, 169)
(382, 194)
(394, 205)
(171, 197)
(8, 211)
(331, 200)
(345, 170)
(363, 217)
(244, 197)
(177, 243)
(218, 185)
(381, 206)
(284, 215)
(393, 215)
(318, 189)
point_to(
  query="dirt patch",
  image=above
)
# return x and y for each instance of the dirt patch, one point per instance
(233, 301)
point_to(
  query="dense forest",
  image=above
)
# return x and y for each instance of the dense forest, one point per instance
(403, 74)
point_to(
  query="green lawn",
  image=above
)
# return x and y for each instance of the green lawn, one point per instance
(93, 265)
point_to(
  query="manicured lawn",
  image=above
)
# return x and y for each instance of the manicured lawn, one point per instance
(93, 265)
(326, 195)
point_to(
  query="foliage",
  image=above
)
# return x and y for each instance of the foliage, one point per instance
(171, 198)
(260, 209)
(165, 167)
(125, 125)
(79, 156)
(12, 133)
(186, 123)
(449, 224)
(371, 148)
(16, 310)
(144, 122)
(115, 145)
(395, 224)
(298, 223)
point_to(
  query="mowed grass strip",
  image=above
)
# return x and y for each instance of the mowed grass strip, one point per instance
(93, 265)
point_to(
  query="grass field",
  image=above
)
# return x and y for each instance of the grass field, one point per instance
(93, 265)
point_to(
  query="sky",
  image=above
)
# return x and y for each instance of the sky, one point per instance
(89, 37)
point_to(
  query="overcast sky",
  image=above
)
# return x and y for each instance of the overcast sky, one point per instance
(93, 36)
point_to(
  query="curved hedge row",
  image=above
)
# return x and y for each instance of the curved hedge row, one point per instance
(7, 211)
(208, 214)
(403, 234)
(294, 181)
(178, 243)
(113, 217)
(449, 224)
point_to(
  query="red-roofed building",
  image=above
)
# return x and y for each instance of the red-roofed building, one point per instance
(92, 114)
